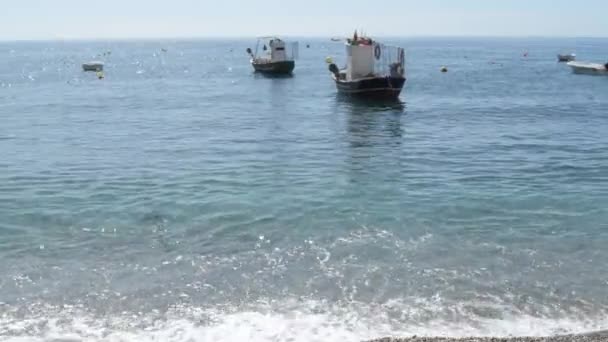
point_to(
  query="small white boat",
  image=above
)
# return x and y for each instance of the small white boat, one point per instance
(566, 58)
(589, 68)
(93, 66)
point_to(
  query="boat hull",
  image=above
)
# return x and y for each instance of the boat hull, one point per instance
(275, 68)
(373, 87)
(588, 68)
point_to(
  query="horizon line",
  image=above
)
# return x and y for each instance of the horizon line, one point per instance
(239, 37)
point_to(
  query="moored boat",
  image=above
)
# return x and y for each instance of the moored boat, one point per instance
(372, 69)
(589, 68)
(277, 56)
(95, 66)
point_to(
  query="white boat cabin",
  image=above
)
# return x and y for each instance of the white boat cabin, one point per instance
(274, 49)
(367, 58)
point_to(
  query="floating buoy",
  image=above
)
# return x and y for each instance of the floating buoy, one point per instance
(526, 54)
(329, 60)
(444, 69)
(100, 75)
(308, 46)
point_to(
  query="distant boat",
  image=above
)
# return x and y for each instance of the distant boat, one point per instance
(589, 68)
(93, 66)
(336, 39)
(276, 58)
(566, 58)
(372, 69)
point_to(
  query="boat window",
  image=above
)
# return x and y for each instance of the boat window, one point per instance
(280, 49)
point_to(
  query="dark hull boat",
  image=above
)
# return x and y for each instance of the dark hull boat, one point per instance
(373, 70)
(94, 66)
(374, 87)
(277, 57)
(274, 68)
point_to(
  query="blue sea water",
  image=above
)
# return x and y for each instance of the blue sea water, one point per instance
(184, 198)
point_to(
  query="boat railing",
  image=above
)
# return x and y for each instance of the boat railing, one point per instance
(263, 49)
(389, 60)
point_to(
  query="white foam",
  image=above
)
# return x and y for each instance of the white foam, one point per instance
(263, 326)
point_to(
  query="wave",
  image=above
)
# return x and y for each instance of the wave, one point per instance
(304, 321)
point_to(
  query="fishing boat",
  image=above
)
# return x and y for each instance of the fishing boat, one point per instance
(276, 58)
(95, 66)
(566, 58)
(589, 68)
(372, 69)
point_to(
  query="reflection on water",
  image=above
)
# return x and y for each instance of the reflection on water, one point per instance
(375, 105)
(371, 122)
(280, 87)
(374, 135)
(258, 75)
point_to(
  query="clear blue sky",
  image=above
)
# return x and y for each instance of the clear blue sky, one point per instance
(52, 19)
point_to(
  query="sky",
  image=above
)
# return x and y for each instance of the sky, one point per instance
(88, 19)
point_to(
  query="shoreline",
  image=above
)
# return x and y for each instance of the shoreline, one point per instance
(600, 336)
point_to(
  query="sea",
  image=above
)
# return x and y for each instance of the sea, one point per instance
(185, 198)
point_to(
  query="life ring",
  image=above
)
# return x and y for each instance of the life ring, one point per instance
(377, 52)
